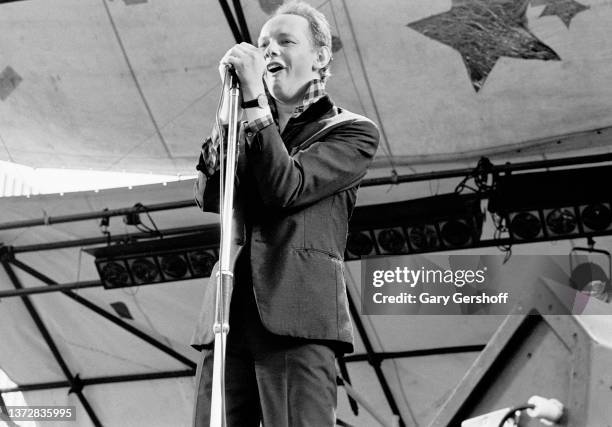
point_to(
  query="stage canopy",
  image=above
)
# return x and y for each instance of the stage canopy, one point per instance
(133, 84)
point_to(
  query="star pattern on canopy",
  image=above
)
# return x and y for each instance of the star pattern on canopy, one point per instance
(483, 31)
(566, 10)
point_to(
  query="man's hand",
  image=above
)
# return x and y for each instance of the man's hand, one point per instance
(249, 63)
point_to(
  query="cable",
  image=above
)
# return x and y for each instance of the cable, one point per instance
(137, 83)
(511, 413)
(480, 175)
(385, 140)
(159, 233)
(501, 228)
(78, 275)
(140, 226)
(104, 223)
(10, 157)
(348, 65)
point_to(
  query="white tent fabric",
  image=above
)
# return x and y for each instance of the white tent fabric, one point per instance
(132, 85)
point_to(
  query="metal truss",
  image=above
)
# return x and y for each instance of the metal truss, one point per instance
(76, 384)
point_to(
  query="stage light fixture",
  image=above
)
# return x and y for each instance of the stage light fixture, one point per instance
(561, 221)
(447, 221)
(590, 279)
(174, 266)
(596, 217)
(144, 270)
(391, 240)
(158, 260)
(423, 237)
(526, 225)
(202, 262)
(359, 244)
(591, 270)
(554, 204)
(456, 232)
(596, 289)
(114, 273)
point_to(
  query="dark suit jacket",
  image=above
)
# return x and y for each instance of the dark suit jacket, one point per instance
(295, 194)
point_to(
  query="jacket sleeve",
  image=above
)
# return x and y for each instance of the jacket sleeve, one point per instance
(337, 161)
(206, 187)
(206, 192)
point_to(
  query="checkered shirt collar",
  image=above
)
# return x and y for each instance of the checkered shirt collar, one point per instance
(314, 92)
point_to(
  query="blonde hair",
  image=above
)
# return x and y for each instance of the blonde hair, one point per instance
(319, 27)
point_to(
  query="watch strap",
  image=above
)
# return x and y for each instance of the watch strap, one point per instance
(260, 101)
(250, 104)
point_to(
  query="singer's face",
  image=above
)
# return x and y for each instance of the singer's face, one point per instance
(291, 59)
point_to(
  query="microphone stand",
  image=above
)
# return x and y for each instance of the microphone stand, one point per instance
(225, 276)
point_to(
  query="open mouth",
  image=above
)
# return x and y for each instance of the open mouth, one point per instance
(274, 67)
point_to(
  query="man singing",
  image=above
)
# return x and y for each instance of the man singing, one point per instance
(301, 161)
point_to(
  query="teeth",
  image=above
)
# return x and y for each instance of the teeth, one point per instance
(273, 68)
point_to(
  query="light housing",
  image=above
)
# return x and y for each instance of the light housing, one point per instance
(158, 260)
(448, 221)
(558, 204)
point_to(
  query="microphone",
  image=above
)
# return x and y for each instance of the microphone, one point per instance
(230, 72)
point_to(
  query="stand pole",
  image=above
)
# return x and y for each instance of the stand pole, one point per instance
(225, 276)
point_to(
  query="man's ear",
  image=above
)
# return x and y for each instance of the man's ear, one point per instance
(322, 59)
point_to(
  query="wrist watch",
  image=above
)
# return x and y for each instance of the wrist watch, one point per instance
(260, 102)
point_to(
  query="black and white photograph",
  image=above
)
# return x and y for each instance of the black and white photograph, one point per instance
(305, 213)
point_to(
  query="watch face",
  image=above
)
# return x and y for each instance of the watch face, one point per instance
(262, 100)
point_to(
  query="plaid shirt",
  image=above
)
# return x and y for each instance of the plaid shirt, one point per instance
(315, 91)
(209, 156)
